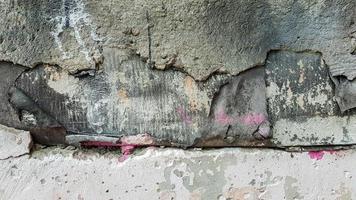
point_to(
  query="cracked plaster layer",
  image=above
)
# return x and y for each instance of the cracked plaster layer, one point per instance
(200, 37)
(55, 173)
(116, 94)
(14, 142)
(128, 98)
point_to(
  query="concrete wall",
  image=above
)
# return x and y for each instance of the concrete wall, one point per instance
(167, 174)
(185, 73)
(129, 74)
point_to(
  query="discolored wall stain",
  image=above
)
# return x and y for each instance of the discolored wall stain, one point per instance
(290, 189)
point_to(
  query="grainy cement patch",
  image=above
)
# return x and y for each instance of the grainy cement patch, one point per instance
(179, 174)
(14, 142)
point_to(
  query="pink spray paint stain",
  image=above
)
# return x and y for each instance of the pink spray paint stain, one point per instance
(317, 155)
(253, 119)
(126, 150)
(222, 118)
(184, 116)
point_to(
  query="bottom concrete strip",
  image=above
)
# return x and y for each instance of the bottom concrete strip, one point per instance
(155, 173)
(14, 142)
(315, 131)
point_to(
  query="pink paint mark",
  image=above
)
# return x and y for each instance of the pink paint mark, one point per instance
(317, 155)
(264, 131)
(127, 144)
(126, 150)
(253, 119)
(222, 118)
(184, 115)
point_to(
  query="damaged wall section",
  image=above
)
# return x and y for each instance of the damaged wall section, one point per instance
(8, 75)
(301, 103)
(139, 69)
(127, 98)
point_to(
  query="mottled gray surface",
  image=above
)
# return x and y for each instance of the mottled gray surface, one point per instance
(129, 98)
(14, 142)
(345, 93)
(185, 72)
(166, 174)
(8, 75)
(199, 36)
(54, 31)
(301, 103)
(298, 86)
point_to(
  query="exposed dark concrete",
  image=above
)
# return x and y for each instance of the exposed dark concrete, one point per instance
(129, 98)
(345, 93)
(184, 72)
(299, 86)
(8, 75)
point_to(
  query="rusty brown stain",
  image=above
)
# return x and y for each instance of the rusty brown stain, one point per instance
(242, 193)
(54, 74)
(189, 85)
(195, 195)
(123, 97)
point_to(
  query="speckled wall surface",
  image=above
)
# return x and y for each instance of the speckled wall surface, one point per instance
(268, 75)
(185, 73)
(166, 174)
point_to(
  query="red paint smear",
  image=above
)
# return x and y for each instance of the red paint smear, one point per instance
(126, 150)
(222, 118)
(253, 119)
(317, 155)
(184, 115)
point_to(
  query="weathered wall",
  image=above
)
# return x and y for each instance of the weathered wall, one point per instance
(124, 74)
(166, 174)
(184, 73)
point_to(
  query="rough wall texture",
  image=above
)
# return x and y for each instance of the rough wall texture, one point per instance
(14, 142)
(123, 74)
(180, 73)
(166, 174)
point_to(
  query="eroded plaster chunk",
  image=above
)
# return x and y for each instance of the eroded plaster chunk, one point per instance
(299, 86)
(8, 75)
(301, 103)
(127, 97)
(240, 107)
(43, 127)
(345, 93)
(14, 142)
(49, 32)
